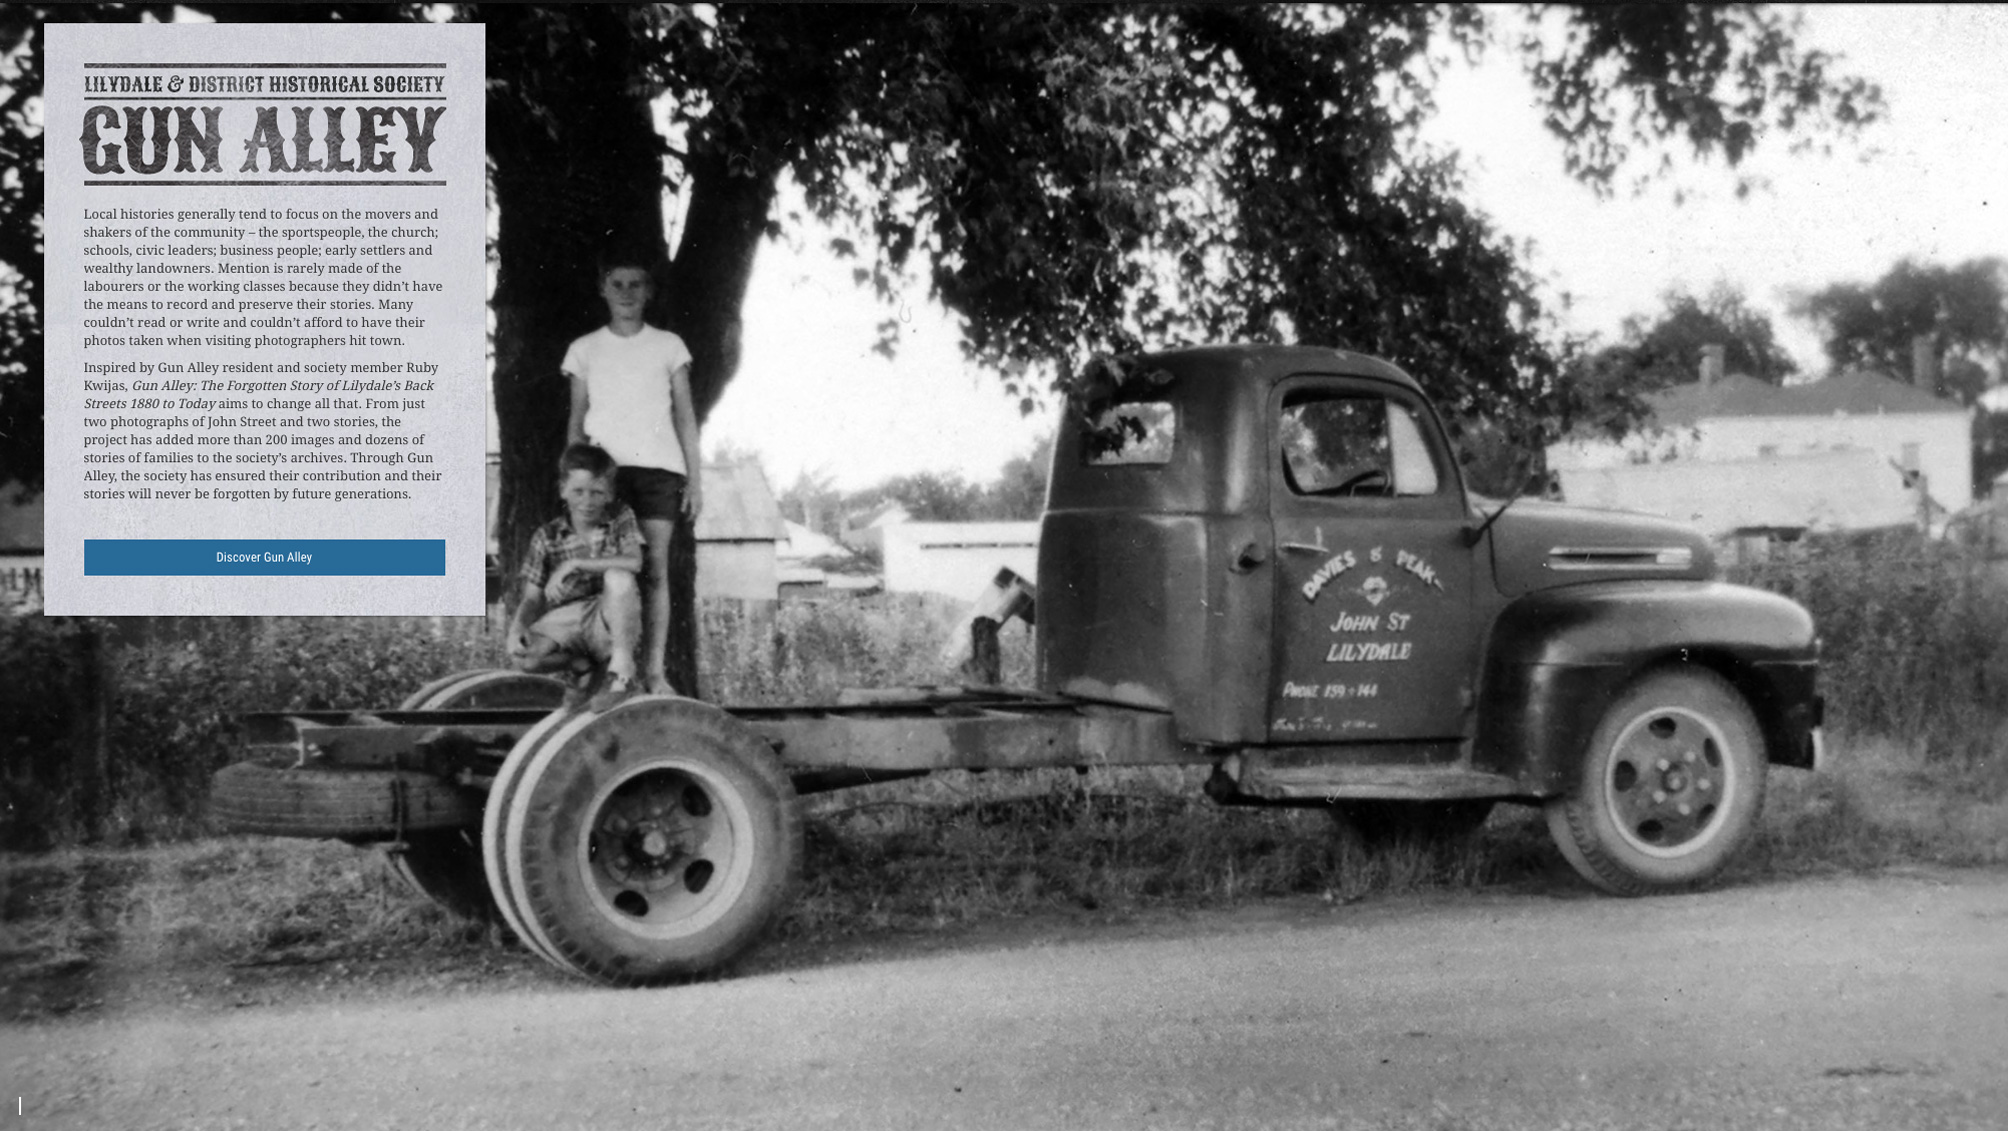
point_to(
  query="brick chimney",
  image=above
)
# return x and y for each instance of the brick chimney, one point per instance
(1711, 363)
(1924, 362)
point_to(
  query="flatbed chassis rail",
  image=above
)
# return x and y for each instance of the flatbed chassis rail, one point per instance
(882, 735)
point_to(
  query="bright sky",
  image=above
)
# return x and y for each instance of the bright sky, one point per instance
(1931, 181)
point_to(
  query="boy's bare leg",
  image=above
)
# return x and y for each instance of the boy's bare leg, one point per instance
(620, 603)
(655, 603)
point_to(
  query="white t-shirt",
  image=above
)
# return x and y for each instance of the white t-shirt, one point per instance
(628, 394)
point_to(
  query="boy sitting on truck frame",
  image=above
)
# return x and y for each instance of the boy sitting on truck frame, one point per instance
(580, 597)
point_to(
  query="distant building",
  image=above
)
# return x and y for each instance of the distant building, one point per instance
(956, 559)
(20, 547)
(738, 532)
(865, 531)
(803, 554)
(1732, 454)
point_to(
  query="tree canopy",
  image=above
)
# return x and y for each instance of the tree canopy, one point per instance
(1067, 180)
(1667, 349)
(1017, 494)
(1602, 386)
(20, 247)
(1079, 179)
(1959, 309)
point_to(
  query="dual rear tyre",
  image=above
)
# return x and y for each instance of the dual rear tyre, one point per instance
(444, 865)
(656, 841)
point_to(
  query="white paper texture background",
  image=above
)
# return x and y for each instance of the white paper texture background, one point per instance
(265, 345)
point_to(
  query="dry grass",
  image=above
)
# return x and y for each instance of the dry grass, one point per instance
(933, 856)
(1883, 803)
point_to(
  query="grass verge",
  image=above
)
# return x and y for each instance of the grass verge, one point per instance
(251, 920)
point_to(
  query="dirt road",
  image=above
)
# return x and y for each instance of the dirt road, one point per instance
(1859, 1003)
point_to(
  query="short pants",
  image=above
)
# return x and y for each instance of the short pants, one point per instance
(650, 492)
(578, 627)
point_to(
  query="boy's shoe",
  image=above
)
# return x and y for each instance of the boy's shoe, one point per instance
(612, 692)
(658, 684)
(579, 687)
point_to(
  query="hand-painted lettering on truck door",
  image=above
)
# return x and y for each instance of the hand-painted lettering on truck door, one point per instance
(1373, 581)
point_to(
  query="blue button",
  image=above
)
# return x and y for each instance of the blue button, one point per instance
(264, 557)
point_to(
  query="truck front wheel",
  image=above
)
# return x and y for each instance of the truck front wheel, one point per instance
(1669, 790)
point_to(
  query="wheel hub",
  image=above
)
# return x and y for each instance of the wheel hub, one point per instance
(1666, 783)
(642, 839)
(655, 845)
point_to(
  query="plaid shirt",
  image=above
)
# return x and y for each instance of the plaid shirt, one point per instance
(556, 542)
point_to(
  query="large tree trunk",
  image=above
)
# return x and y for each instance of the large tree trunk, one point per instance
(577, 168)
(706, 288)
(730, 199)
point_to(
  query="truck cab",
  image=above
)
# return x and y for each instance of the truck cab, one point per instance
(1275, 545)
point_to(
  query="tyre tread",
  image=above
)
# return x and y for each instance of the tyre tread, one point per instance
(1572, 820)
(770, 891)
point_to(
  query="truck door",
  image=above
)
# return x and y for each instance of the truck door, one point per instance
(1373, 580)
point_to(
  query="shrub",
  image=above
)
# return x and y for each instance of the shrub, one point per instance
(1914, 633)
(171, 692)
(173, 689)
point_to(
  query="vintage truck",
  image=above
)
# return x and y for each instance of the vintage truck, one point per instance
(1261, 560)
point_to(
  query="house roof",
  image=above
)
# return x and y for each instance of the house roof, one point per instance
(800, 543)
(1734, 395)
(1854, 393)
(966, 535)
(738, 505)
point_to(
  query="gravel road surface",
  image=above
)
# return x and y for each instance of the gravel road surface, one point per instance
(1834, 1004)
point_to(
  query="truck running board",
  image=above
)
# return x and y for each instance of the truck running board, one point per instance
(1259, 777)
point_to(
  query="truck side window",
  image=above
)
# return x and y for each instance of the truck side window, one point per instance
(1354, 445)
(1140, 432)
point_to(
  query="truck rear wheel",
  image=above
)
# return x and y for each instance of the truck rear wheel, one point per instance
(1670, 789)
(495, 869)
(655, 841)
(486, 687)
(445, 865)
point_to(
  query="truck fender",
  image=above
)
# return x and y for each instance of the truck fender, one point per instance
(1556, 658)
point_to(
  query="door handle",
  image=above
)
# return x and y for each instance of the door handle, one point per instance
(1305, 548)
(1247, 556)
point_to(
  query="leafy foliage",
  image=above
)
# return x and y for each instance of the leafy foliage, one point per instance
(1067, 179)
(1619, 79)
(1960, 308)
(1667, 350)
(21, 226)
(20, 246)
(165, 715)
(1017, 494)
(1080, 180)
(171, 692)
(1915, 637)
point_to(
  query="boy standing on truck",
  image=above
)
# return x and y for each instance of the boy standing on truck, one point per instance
(580, 597)
(631, 395)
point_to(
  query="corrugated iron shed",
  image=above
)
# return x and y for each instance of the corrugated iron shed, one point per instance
(739, 506)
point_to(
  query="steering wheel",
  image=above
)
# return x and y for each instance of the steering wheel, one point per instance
(1353, 483)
